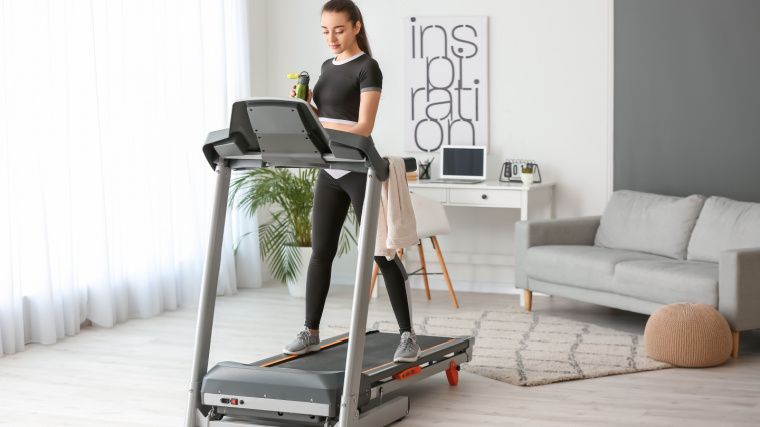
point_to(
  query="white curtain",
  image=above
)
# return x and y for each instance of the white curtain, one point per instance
(104, 192)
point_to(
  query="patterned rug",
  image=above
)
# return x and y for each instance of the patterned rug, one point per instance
(527, 349)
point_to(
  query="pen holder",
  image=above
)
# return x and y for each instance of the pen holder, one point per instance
(424, 171)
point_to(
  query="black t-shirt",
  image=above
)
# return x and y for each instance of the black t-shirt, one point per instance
(338, 91)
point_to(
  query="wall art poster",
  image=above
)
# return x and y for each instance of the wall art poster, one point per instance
(445, 82)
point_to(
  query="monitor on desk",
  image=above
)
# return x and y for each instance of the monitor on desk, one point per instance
(466, 162)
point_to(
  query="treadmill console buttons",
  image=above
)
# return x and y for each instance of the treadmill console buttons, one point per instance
(234, 401)
(225, 400)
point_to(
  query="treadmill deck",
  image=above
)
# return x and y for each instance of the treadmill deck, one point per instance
(379, 349)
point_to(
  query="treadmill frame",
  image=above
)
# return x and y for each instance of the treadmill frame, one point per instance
(240, 148)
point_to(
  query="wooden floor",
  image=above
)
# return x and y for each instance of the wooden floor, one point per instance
(136, 374)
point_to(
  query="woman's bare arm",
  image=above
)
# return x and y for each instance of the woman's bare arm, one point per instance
(368, 105)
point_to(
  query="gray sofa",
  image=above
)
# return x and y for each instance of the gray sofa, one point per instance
(647, 251)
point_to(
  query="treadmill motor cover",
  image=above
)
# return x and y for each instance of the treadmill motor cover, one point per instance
(237, 379)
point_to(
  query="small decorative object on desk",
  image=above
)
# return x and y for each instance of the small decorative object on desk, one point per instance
(411, 176)
(527, 175)
(512, 171)
(424, 169)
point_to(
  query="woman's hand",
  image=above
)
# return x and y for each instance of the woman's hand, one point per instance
(293, 94)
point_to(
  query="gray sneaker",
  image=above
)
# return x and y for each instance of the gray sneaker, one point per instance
(304, 343)
(408, 350)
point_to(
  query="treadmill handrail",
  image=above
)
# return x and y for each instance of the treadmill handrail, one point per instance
(278, 129)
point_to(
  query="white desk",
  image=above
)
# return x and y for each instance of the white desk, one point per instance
(530, 199)
(491, 194)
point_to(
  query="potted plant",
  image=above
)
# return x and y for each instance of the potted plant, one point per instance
(285, 238)
(527, 175)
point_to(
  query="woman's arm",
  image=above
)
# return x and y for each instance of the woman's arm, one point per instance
(368, 104)
(313, 107)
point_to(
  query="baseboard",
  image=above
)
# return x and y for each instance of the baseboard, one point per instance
(469, 272)
(416, 282)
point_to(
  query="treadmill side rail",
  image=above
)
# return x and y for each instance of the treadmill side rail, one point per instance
(392, 385)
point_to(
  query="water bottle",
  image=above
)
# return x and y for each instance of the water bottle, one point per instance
(302, 87)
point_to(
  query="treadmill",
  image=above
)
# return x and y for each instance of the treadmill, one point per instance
(352, 380)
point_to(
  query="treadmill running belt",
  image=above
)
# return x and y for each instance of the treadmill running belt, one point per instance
(378, 350)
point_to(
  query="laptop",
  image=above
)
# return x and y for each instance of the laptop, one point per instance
(462, 164)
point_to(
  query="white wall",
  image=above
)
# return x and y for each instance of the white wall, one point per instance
(549, 71)
(258, 15)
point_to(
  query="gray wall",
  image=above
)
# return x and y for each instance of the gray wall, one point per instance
(687, 97)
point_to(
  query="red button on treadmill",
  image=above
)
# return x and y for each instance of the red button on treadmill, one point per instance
(233, 401)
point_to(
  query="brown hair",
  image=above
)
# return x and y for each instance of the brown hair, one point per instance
(354, 15)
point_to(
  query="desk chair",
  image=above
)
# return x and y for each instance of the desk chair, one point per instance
(431, 222)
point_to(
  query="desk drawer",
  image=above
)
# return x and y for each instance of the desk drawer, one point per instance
(485, 197)
(437, 194)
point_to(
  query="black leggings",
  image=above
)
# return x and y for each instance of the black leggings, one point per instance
(331, 200)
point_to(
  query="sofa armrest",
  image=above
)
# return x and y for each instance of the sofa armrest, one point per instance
(739, 288)
(566, 231)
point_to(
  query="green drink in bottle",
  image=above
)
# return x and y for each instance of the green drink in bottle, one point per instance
(302, 87)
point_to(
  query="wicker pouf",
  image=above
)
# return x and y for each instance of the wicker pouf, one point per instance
(689, 335)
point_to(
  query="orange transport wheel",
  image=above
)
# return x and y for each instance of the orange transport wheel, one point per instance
(453, 373)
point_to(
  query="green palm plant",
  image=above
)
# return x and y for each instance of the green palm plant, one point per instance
(290, 198)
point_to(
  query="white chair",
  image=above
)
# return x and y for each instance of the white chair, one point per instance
(431, 222)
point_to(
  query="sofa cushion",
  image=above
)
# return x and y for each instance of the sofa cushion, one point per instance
(724, 224)
(650, 223)
(668, 281)
(588, 267)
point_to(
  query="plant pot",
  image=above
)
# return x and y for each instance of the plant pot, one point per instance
(297, 288)
(527, 178)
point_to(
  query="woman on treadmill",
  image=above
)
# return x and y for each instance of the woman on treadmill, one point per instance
(347, 96)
